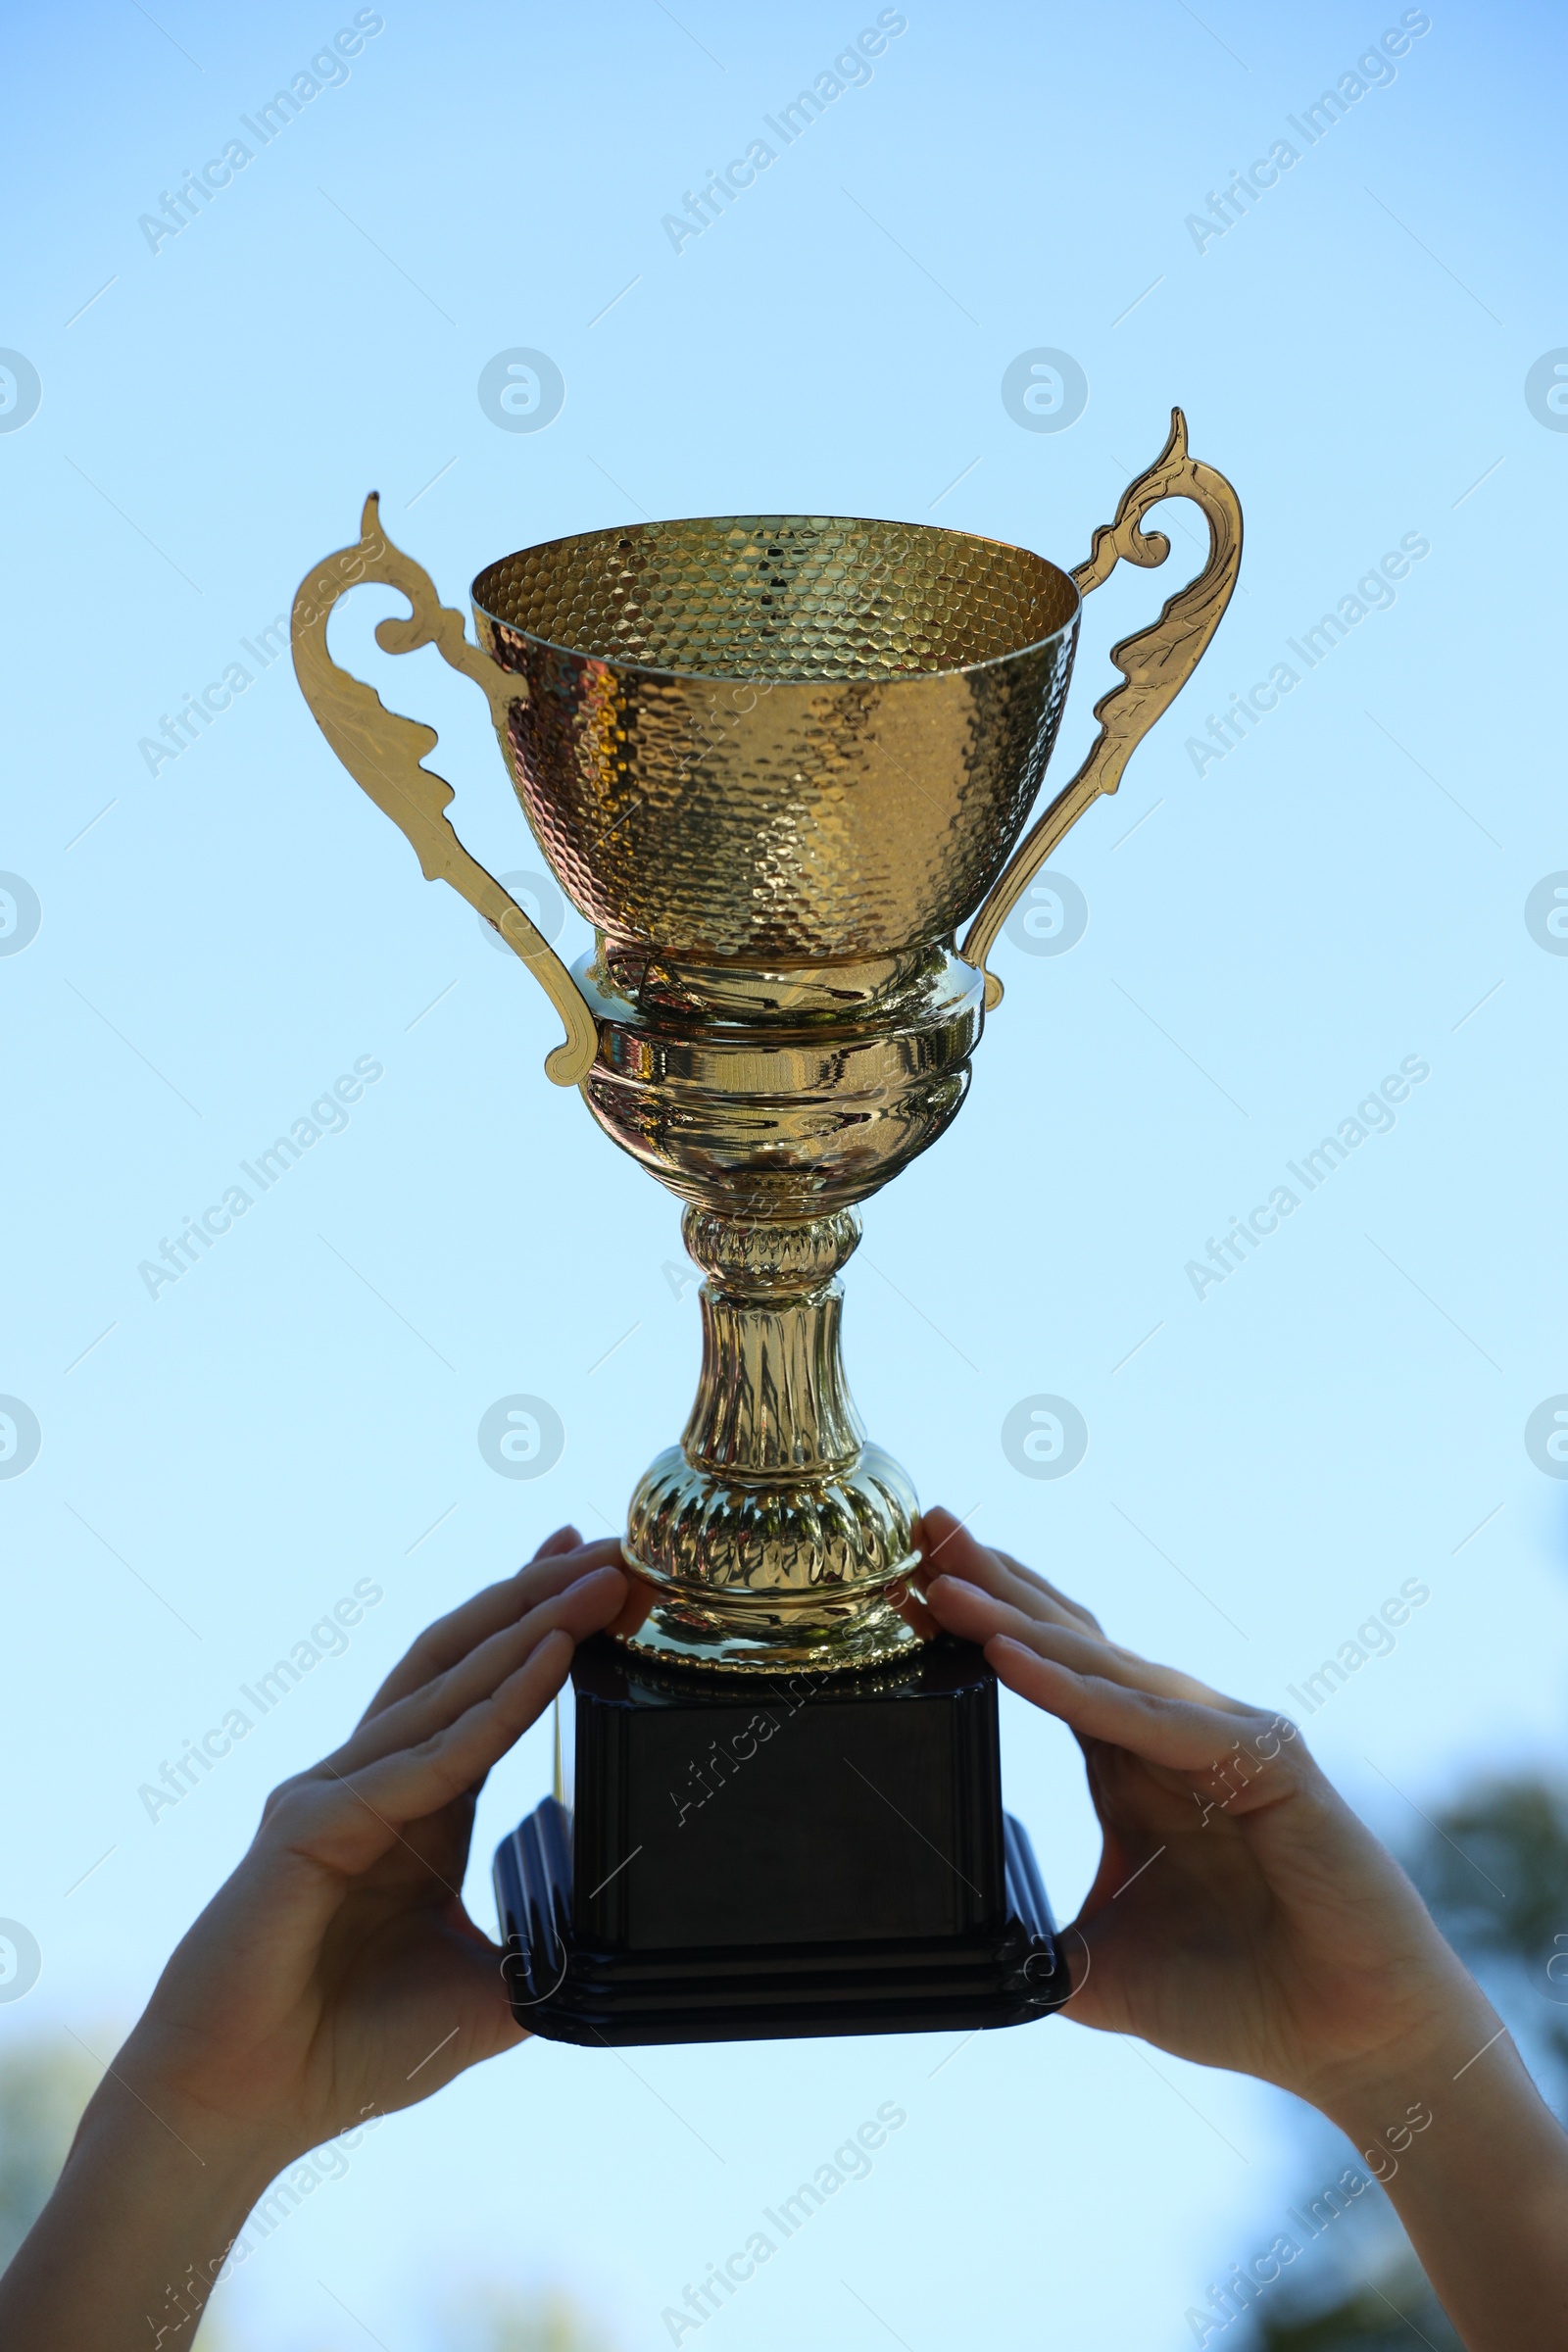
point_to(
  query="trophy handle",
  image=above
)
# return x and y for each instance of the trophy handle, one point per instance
(382, 752)
(1155, 665)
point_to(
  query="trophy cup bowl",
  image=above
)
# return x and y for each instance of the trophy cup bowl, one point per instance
(775, 761)
(778, 762)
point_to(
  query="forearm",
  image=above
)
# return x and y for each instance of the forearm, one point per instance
(1482, 2189)
(124, 2254)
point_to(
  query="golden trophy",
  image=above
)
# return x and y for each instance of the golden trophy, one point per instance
(778, 762)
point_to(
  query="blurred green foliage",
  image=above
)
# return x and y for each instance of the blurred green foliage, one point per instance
(1494, 1869)
(44, 2085)
(501, 2320)
(46, 2080)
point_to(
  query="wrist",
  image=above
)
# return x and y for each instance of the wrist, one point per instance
(1476, 2166)
(1429, 2063)
(1392, 2026)
(138, 2229)
(168, 2152)
(162, 2086)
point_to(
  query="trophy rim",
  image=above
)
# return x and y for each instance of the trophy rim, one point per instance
(738, 677)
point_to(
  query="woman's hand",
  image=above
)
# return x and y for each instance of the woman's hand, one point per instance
(1242, 1915)
(337, 1974)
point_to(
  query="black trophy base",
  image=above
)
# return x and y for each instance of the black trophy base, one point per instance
(750, 1858)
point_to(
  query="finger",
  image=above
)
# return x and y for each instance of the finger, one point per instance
(976, 1616)
(417, 1781)
(1180, 1734)
(565, 1539)
(1032, 1581)
(325, 1830)
(916, 1616)
(634, 1611)
(949, 1549)
(451, 1638)
(963, 1609)
(583, 1608)
(954, 1540)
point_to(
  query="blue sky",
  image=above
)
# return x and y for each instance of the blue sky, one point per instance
(1266, 940)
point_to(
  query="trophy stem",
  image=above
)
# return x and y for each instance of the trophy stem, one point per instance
(772, 1402)
(774, 1533)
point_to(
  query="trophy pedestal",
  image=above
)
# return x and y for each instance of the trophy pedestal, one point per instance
(778, 762)
(754, 1857)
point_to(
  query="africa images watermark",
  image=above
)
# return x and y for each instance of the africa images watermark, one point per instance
(1373, 70)
(21, 1960)
(178, 734)
(711, 1771)
(20, 913)
(327, 1116)
(1373, 593)
(850, 2162)
(1373, 1115)
(1245, 2285)
(849, 70)
(328, 1638)
(1373, 1640)
(186, 2301)
(1258, 1747)
(327, 69)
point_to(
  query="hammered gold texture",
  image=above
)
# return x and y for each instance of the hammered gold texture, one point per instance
(779, 737)
(777, 760)
(780, 597)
